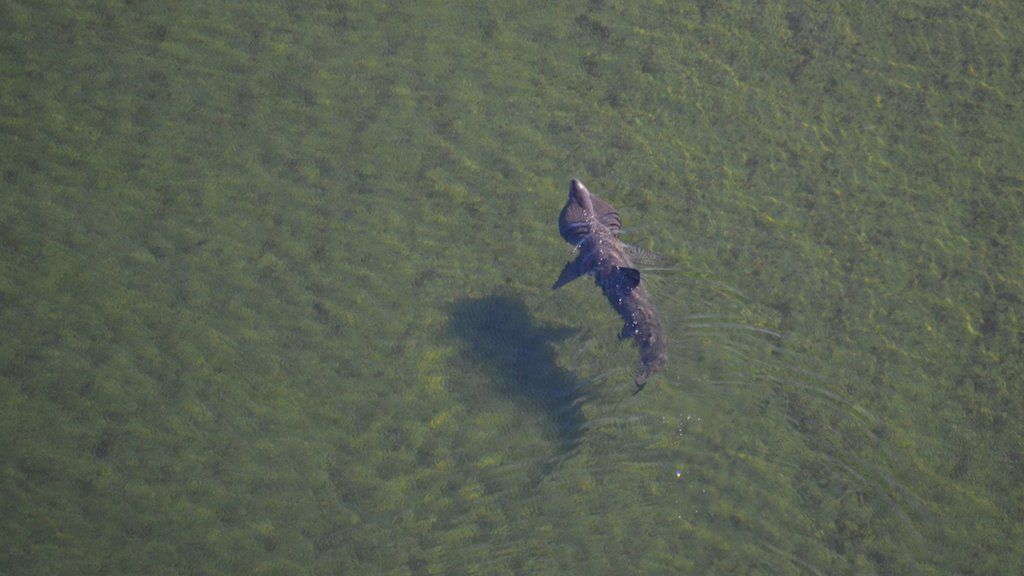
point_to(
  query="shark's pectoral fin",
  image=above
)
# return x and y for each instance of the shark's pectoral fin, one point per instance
(643, 257)
(571, 272)
(627, 278)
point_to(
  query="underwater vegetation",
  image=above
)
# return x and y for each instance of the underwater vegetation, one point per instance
(275, 288)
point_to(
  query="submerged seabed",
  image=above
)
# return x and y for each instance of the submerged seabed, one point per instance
(274, 288)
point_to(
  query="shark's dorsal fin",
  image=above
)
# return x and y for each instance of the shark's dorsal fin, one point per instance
(570, 272)
(627, 278)
(643, 257)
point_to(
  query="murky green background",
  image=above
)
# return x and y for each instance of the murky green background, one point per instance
(275, 288)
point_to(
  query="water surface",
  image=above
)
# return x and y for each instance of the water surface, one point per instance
(275, 288)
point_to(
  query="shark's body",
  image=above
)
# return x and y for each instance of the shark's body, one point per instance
(593, 225)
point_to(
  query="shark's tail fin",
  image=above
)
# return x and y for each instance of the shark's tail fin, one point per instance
(640, 382)
(651, 359)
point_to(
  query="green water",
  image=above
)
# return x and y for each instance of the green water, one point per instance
(275, 288)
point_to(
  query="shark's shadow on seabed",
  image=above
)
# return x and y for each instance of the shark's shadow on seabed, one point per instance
(505, 344)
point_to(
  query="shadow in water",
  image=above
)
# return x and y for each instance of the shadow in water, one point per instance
(503, 342)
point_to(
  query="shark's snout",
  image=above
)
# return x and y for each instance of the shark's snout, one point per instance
(579, 194)
(576, 187)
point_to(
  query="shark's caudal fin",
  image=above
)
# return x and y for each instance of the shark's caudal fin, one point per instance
(574, 221)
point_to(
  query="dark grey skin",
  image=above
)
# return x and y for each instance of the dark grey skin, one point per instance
(593, 225)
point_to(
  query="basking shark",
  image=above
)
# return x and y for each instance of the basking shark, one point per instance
(592, 226)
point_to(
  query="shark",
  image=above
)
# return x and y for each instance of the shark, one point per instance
(592, 226)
